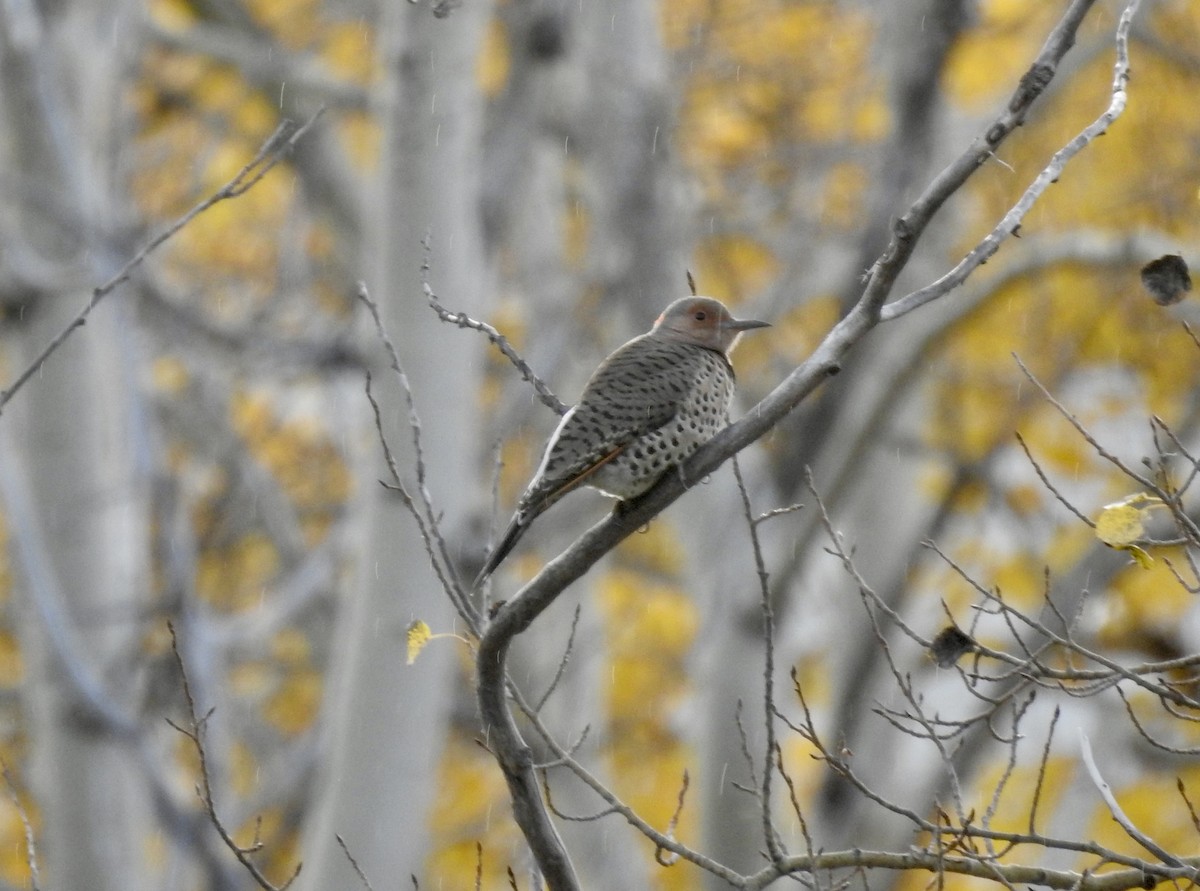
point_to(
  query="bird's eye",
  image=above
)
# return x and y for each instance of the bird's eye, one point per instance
(700, 315)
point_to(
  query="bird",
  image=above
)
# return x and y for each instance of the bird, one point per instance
(643, 411)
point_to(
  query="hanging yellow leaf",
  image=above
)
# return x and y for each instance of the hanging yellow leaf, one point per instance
(418, 635)
(1123, 523)
(1140, 557)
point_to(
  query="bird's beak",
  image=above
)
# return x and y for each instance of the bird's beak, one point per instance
(745, 324)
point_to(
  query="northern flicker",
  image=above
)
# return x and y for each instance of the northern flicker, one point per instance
(643, 411)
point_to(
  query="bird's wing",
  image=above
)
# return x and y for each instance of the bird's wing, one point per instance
(638, 389)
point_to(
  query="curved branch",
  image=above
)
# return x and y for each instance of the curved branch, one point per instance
(502, 735)
(1012, 874)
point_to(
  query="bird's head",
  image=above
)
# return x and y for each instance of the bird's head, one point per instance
(704, 322)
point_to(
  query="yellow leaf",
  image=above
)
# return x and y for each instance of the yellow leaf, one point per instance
(418, 635)
(1140, 557)
(1122, 523)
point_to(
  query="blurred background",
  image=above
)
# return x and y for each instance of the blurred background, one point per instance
(202, 451)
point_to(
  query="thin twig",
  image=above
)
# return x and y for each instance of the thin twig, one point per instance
(1050, 175)
(362, 876)
(562, 663)
(1037, 468)
(1083, 431)
(195, 732)
(498, 340)
(272, 151)
(1041, 776)
(1110, 800)
(670, 859)
(770, 835)
(30, 846)
(426, 516)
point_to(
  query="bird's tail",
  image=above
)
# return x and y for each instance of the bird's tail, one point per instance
(508, 541)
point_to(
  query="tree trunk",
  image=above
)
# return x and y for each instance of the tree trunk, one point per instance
(388, 719)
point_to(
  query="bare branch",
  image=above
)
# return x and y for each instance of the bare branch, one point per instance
(425, 515)
(276, 147)
(1037, 468)
(770, 835)
(1110, 800)
(30, 846)
(562, 663)
(1012, 220)
(362, 877)
(516, 615)
(498, 340)
(194, 731)
(671, 859)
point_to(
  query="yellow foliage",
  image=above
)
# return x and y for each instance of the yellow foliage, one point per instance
(655, 549)
(252, 679)
(842, 203)
(1021, 581)
(813, 675)
(297, 24)
(801, 761)
(220, 91)
(300, 454)
(161, 189)
(169, 375)
(254, 117)
(188, 763)
(971, 497)
(495, 60)
(359, 133)
(791, 338)
(472, 797)
(417, 636)
(732, 267)
(650, 628)
(251, 415)
(646, 618)
(291, 646)
(234, 239)
(722, 133)
(774, 74)
(282, 856)
(172, 13)
(988, 59)
(14, 860)
(470, 788)
(294, 706)
(1025, 500)
(1016, 800)
(235, 578)
(965, 421)
(173, 72)
(348, 48)
(12, 663)
(244, 773)
(1147, 599)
